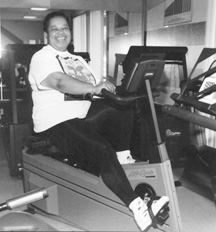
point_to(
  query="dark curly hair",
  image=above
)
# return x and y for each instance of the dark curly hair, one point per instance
(53, 15)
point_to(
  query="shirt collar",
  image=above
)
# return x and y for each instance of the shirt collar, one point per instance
(62, 54)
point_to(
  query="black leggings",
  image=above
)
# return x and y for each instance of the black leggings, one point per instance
(105, 130)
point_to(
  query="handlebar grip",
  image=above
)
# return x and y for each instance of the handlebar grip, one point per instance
(27, 198)
(117, 98)
(128, 98)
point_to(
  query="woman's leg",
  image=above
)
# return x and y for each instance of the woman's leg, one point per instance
(90, 146)
(114, 123)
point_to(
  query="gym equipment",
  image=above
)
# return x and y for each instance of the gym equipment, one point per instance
(174, 131)
(199, 174)
(20, 221)
(25, 220)
(16, 105)
(82, 198)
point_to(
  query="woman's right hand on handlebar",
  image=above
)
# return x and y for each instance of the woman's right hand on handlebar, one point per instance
(104, 85)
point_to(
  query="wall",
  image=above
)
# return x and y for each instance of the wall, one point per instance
(190, 34)
(24, 30)
(121, 43)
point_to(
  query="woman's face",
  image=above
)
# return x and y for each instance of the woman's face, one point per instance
(58, 34)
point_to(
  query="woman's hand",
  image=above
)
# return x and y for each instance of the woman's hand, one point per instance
(104, 85)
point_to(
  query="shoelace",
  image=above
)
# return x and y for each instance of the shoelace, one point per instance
(130, 159)
(146, 198)
(144, 209)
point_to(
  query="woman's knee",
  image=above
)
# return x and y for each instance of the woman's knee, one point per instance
(107, 153)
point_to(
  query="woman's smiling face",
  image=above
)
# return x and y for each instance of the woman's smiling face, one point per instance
(58, 34)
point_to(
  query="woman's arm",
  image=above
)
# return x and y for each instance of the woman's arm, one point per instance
(66, 84)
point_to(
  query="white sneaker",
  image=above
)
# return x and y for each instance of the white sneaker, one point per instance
(124, 157)
(144, 214)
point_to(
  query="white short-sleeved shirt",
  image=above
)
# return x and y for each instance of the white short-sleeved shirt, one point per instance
(50, 107)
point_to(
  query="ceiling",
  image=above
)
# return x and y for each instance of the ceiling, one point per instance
(17, 14)
(17, 9)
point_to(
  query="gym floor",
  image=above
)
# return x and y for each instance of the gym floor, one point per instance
(198, 213)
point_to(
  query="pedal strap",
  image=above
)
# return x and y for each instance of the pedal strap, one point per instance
(151, 214)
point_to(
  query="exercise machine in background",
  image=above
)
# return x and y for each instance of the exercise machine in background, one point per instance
(174, 131)
(197, 105)
(81, 197)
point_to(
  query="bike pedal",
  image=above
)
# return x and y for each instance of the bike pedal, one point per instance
(163, 215)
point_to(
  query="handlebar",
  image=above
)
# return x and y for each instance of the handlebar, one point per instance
(126, 99)
(121, 100)
(24, 199)
(189, 116)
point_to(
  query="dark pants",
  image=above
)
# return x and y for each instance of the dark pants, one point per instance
(105, 130)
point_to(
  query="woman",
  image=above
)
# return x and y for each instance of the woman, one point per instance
(95, 131)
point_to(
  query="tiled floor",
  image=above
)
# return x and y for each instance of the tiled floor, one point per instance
(198, 213)
(9, 187)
